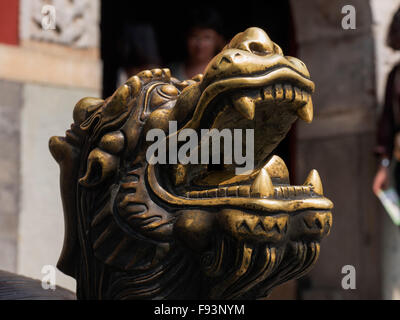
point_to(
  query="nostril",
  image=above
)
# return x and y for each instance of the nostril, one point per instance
(318, 223)
(258, 49)
(224, 60)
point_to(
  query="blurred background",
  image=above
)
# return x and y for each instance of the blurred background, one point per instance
(96, 45)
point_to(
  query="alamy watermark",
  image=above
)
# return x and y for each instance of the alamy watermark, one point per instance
(349, 20)
(49, 279)
(349, 280)
(49, 17)
(196, 150)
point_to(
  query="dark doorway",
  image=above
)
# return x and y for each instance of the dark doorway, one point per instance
(167, 21)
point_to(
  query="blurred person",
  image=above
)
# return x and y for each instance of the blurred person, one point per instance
(388, 133)
(204, 40)
(138, 50)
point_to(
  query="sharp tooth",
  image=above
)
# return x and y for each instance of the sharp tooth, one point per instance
(297, 93)
(213, 193)
(232, 191)
(268, 93)
(279, 94)
(252, 223)
(298, 190)
(222, 192)
(288, 92)
(244, 191)
(262, 185)
(245, 106)
(306, 112)
(276, 168)
(298, 98)
(314, 180)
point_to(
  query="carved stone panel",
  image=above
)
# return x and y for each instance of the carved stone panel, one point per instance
(72, 22)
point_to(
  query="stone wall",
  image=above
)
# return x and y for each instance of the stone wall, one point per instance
(41, 225)
(76, 23)
(41, 79)
(10, 110)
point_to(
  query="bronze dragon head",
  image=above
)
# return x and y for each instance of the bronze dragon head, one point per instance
(140, 230)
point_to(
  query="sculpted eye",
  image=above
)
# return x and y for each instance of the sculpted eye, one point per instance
(159, 95)
(169, 90)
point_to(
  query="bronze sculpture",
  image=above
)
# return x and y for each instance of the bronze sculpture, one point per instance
(136, 230)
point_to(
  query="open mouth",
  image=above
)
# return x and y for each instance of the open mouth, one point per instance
(269, 104)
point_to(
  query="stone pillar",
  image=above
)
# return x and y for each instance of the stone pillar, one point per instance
(339, 143)
(43, 76)
(10, 105)
(10, 109)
